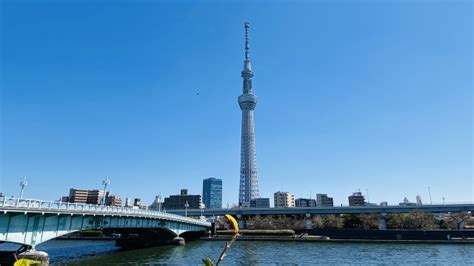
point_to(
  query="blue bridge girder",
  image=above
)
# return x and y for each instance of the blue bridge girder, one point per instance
(32, 222)
(438, 208)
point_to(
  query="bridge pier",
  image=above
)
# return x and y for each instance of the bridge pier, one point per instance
(179, 241)
(382, 221)
(241, 221)
(24, 252)
(308, 221)
(38, 256)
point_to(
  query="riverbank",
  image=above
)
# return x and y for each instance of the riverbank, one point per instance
(352, 236)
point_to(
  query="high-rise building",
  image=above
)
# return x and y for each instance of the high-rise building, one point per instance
(212, 193)
(418, 200)
(284, 199)
(137, 202)
(86, 196)
(156, 205)
(305, 202)
(113, 200)
(260, 203)
(406, 202)
(322, 200)
(248, 188)
(95, 196)
(128, 202)
(176, 202)
(356, 199)
(78, 195)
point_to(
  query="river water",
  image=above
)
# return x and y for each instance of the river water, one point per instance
(78, 252)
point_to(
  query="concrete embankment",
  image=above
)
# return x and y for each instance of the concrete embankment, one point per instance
(353, 236)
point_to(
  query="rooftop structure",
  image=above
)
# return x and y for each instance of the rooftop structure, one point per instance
(356, 199)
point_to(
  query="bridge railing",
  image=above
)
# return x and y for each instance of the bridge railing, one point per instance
(34, 204)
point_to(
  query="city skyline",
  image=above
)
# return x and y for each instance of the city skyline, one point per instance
(377, 99)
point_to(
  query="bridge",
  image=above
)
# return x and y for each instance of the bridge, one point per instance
(308, 212)
(31, 222)
(437, 208)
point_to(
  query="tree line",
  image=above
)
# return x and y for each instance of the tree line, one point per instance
(419, 220)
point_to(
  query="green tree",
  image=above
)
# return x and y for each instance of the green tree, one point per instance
(352, 221)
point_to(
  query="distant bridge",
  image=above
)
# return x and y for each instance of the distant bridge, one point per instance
(306, 212)
(32, 222)
(438, 208)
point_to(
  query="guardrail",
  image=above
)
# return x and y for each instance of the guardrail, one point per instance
(33, 204)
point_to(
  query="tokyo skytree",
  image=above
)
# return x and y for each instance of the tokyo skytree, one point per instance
(248, 166)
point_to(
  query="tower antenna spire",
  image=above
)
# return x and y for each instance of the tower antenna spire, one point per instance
(247, 40)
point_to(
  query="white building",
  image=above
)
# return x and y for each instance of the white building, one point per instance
(418, 200)
(284, 199)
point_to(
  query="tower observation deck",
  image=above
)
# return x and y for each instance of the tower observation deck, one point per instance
(248, 188)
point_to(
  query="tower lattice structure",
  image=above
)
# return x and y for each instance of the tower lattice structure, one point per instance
(248, 188)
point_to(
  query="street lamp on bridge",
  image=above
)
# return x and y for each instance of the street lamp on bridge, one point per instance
(186, 206)
(105, 182)
(23, 184)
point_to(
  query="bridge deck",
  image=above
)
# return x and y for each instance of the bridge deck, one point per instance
(441, 208)
(43, 207)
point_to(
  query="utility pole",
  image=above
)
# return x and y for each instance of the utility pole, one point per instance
(429, 192)
(159, 202)
(186, 205)
(23, 184)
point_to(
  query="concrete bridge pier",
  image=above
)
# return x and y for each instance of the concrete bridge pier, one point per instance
(24, 252)
(179, 241)
(241, 221)
(382, 221)
(308, 221)
(39, 256)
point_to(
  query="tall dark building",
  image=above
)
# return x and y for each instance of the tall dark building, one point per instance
(176, 202)
(305, 202)
(260, 203)
(356, 199)
(212, 193)
(322, 200)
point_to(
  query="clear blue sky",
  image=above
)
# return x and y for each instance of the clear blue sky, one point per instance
(352, 95)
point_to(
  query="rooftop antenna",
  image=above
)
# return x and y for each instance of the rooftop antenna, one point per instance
(159, 202)
(23, 184)
(367, 192)
(105, 182)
